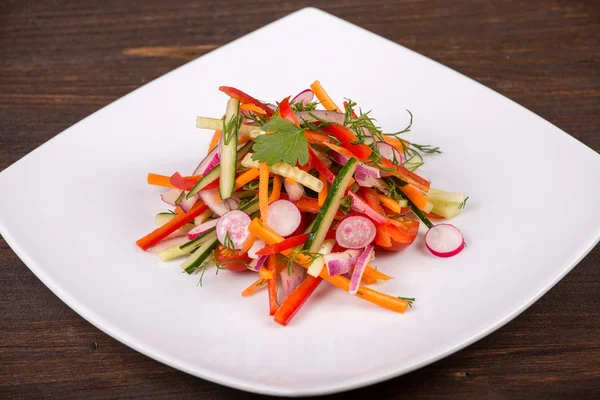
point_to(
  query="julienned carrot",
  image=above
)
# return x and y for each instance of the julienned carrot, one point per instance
(258, 284)
(263, 191)
(415, 196)
(265, 273)
(371, 276)
(323, 192)
(253, 108)
(242, 179)
(296, 299)
(179, 210)
(276, 189)
(309, 205)
(214, 141)
(290, 180)
(269, 236)
(159, 180)
(339, 149)
(171, 226)
(271, 265)
(323, 97)
(404, 175)
(316, 137)
(247, 244)
(400, 144)
(390, 203)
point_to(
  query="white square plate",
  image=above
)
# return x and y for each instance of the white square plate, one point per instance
(73, 208)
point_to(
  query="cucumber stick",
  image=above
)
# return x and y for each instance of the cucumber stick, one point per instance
(215, 173)
(325, 217)
(413, 163)
(228, 149)
(201, 253)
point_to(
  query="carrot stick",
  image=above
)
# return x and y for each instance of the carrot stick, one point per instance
(271, 266)
(276, 189)
(254, 287)
(414, 195)
(171, 226)
(247, 243)
(269, 236)
(159, 180)
(263, 191)
(341, 150)
(392, 204)
(214, 141)
(241, 180)
(323, 192)
(290, 180)
(399, 144)
(371, 276)
(265, 273)
(178, 210)
(253, 108)
(323, 97)
(316, 137)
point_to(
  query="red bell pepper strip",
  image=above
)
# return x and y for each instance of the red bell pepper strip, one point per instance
(346, 136)
(180, 182)
(296, 299)
(316, 137)
(403, 174)
(272, 266)
(282, 246)
(285, 111)
(351, 110)
(245, 98)
(320, 167)
(177, 222)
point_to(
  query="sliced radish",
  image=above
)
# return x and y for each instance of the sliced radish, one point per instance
(294, 190)
(256, 246)
(187, 204)
(340, 263)
(305, 97)
(232, 229)
(202, 167)
(359, 268)
(368, 181)
(390, 152)
(202, 228)
(218, 207)
(361, 168)
(284, 217)
(168, 243)
(444, 240)
(355, 232)
(329, 116)
(290, 279)
(171, 196)
(359, 205)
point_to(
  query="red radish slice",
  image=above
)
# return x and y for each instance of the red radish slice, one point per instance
(390, 152)
(206, 161)
(218, 207)
(171, 196)
(305, 97)
(361, 168)
(284, 217)
(294, 190)
(168, 243)
(340, 263)
(444, 240)
(359, 268)
(359, 205)
(256, 246)
(187, 204)
(369, 181)
(355, 232)
(200, 229)
(232, 229)
(257, 264)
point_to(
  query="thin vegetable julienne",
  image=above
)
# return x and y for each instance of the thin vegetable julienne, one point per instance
(296, 299)
(272, 266)
(269, 236)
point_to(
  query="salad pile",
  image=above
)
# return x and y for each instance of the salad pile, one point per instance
(300, 192)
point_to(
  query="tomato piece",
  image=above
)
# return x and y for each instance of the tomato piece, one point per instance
(402, 233)
(245, 98)
(231, 259)
(346, 136)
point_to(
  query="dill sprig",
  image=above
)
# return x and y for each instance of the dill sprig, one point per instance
(410, 300)
(231, 129)
(259, 119)
(228, 242)
(463, 204)
(298, 106)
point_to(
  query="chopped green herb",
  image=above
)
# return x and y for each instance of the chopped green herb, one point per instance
(287, 143)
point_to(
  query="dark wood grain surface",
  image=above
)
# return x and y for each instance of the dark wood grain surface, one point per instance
(62, 60)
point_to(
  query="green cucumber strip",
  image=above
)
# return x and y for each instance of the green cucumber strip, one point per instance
(214, 174)
(200, 255)
(325, 217)
(172, 253)
(228, 151)
(412, 206)
(413, 163)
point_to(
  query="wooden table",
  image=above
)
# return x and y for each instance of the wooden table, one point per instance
(62, 60)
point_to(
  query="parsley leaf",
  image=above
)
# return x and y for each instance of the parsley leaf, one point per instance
(287, 143)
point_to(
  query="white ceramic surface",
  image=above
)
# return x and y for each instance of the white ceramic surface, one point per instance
(73, 208)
